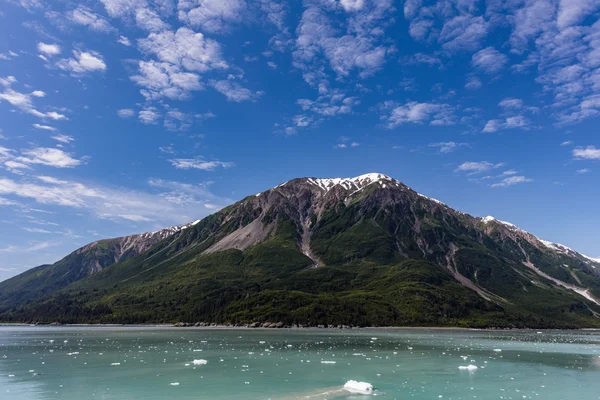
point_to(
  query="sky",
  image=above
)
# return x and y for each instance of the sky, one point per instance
(124, 116)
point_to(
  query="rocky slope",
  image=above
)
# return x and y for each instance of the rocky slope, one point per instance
(83, 262)
(364, 251)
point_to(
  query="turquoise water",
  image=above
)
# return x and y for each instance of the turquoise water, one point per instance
(146, 363)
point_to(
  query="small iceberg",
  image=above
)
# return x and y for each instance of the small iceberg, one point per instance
(199, 362)
(470, 367)
(328, 362)
(115, 364)
(174, 383)
(498, 350)
(358, 387)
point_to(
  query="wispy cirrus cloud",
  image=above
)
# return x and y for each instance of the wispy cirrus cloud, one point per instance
(510, 181)
(475, 167)
(24, 101)
(199, 163)
(447, 147)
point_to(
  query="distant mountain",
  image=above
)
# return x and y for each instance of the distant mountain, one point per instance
(83, 262)
(357, 251)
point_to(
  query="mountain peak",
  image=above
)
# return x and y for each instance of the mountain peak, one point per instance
(355, 183)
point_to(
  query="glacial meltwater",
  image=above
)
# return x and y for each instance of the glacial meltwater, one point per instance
(191, 363)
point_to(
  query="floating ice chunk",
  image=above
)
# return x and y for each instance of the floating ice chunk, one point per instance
(199, 362)
(469, 367)
(328, 362)
(498, 350)
(115, 364)
(174, 383)
(359, 387)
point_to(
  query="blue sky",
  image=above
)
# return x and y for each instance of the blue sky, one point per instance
(123, 116)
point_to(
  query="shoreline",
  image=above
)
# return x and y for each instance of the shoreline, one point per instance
(294, 328)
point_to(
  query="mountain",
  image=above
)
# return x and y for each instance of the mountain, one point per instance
(83, 262)
(358, 251)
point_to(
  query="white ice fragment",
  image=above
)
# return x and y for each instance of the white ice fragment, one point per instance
(498, 350)
(328, 362)
(174, 383)
(199, 362)
(469, 367)
(115, 364)
(359, 387)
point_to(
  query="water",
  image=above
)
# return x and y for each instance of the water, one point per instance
(147, 363)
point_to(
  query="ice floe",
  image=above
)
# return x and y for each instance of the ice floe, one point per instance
(469, 367)
(359, 387)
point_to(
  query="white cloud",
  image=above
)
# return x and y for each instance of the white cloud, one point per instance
(587, 153)
(177, 51)
(38, 93)
(511, 104)
(169, 203)
(63, 138)
(124, 40)
(302, 120)
(148, 116)
(36, 230)
(84, 16)
(489, 60)
(447, 147)
(198, 163)
(24, 101)
(566, 143)
(44, 127)
(475, 167)
(463, 33)
(436, 114)
(125, 113)
(147, 16)
(513, 122)
(362, 48)
(165, 80)
(184, 48)
(422, 58)
(150, 20)
(233, 91)
(571, 12)
(82, 63)
(48, 156)
(330, 104)
(48, 49)
(583, 171)
(213, 16)
(473, 83)
(512, 180)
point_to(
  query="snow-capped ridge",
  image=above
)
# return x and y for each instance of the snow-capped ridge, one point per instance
(561, 248)
(166, 232)
(509, 225)
(356, 183)
(557, 247)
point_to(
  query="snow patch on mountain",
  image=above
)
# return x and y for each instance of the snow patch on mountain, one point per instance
(510, 226)
(561, 248)
(432, 199)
